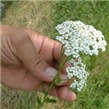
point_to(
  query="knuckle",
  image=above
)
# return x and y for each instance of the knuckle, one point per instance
(36, 63)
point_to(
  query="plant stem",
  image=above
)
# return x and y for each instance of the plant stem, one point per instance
(57, 78)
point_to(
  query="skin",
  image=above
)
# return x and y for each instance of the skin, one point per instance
(29, 59)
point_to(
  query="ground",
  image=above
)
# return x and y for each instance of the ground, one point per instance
(43, 16)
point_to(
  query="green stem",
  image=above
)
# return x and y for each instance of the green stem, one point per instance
(60, 61)
(60, 69)
(57, 75)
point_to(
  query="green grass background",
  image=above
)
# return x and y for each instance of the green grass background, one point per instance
(43, 16)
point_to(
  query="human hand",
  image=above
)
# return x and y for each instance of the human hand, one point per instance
(29, 59)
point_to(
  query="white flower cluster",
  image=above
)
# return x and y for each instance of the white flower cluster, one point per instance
(78, 37)
(78, 71)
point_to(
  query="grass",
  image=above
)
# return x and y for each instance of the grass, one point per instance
(43, 16)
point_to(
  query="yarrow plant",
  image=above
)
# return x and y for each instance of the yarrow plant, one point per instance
(77, 38)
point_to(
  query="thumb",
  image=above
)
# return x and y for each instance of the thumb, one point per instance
(32, 61)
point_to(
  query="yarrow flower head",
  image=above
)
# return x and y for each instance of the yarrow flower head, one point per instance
(79, 38)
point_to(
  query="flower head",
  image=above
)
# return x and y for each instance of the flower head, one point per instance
(76, 38)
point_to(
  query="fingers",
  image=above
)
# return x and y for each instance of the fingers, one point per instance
(50, 51)
(28, 55)
(60, 92)
(36, 63)
(32, 61)
(65, 94)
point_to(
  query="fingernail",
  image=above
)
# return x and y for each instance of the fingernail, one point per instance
(51, 72)
(64, 80)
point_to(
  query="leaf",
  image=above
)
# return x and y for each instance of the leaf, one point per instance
(48, 100)
(44, 90)
(38, 100)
